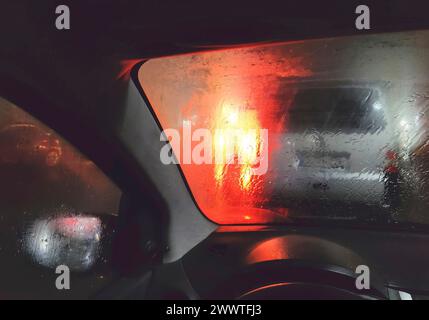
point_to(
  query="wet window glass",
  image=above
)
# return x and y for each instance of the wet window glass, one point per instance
(56, 208)
(342, 107)
(319, 130)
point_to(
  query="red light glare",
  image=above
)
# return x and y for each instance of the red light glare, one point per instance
(224, 91)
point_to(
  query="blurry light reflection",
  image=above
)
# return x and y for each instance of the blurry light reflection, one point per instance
(73, 241)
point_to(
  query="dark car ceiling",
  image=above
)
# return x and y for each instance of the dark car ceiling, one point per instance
(83, 63)
(71, 79)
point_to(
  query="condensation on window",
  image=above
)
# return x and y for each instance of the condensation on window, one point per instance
(347, 122)
(55, 208)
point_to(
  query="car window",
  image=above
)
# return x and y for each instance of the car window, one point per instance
(326, 130)
(340, 108)
(55, 209)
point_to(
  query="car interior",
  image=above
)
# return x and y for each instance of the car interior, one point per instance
(181, 151)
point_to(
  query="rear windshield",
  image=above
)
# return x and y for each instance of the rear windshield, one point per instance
(330, 129)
